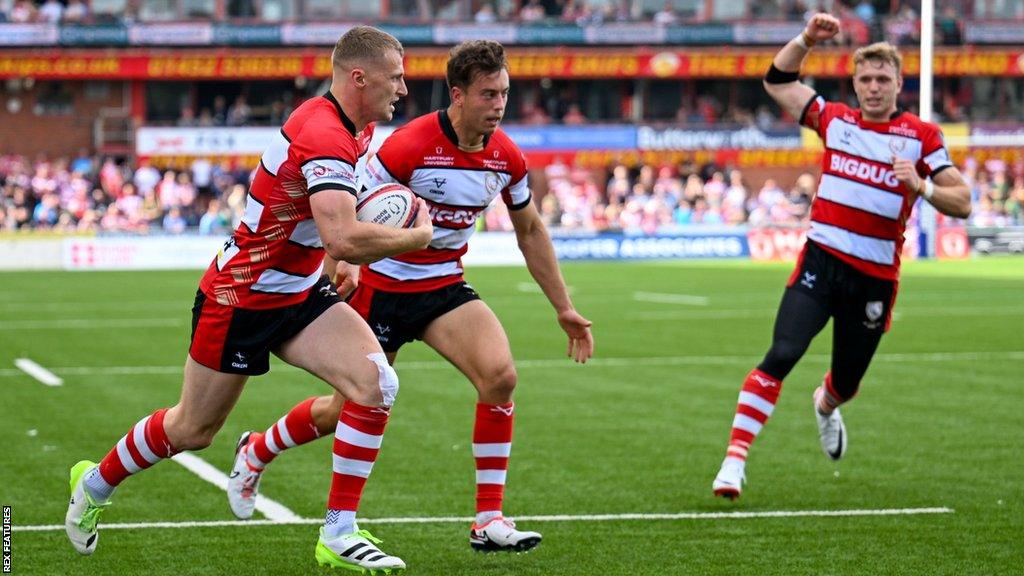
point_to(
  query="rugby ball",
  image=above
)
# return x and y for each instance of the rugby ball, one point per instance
(388, 205)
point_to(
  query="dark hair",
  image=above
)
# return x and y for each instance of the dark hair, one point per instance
(363, 43)
(474, 58)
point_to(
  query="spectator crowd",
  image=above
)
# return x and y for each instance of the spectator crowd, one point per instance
(87, 194)
(863, 20)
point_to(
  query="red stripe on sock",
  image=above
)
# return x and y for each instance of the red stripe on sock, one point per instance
(346, 450)
(494, 423)
(300, 424)
(489, 497)
(346, 491)
(156, 436)
(492, 463)
(763, 385)
(752, 412)
(366, 419)
(741, 436)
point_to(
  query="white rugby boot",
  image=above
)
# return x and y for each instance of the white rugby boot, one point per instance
(730, 479)
(243, 482)
(831, 430)
(500, 535)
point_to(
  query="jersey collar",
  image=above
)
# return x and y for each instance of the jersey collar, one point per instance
(449, 130)
(341, 113)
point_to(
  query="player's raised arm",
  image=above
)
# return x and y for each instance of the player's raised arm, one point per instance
(350, 240)
(782, 82)
(946, 191)
(535, 244)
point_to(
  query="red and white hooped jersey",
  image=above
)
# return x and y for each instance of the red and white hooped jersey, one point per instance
(457, 187)
(860, 210)
(275, 254)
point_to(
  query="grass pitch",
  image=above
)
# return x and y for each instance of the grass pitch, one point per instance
(639, 430)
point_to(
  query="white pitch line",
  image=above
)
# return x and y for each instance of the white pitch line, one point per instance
(113, 305)
(547, 363)
(274, 511)
(746, 313)
(549, 518)
(531, 288)
(38, 372)
(661, 298)
(90, 324)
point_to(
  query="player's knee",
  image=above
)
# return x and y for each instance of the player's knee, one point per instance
(782, 356)
(386, 388)
(501, 381)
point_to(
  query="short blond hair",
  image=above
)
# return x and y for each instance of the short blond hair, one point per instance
(881, 52)
(362, 44)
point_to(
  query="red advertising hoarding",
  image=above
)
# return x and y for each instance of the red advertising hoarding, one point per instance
(562, 63)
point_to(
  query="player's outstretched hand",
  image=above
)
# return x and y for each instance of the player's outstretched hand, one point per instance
(423, 225)
(346, 278)
(905, 172)
(581, 341)
(822, 27)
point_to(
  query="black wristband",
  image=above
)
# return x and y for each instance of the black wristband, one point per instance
(776, 76)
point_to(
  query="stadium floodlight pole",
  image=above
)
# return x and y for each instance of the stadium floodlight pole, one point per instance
(928, 216)
(927, 51)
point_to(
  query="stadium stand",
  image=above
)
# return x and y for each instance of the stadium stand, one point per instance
(93, 194)
(688, 135)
